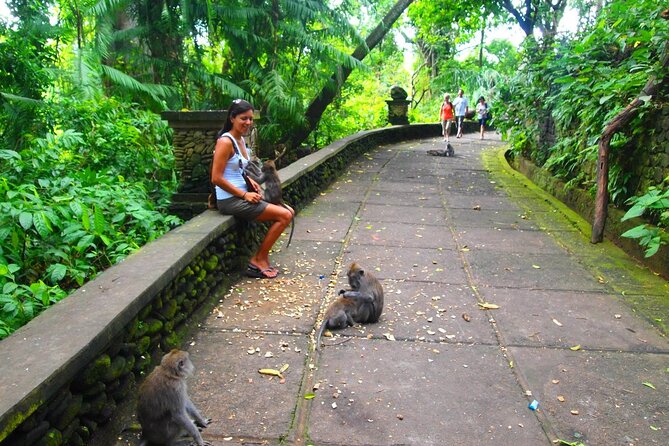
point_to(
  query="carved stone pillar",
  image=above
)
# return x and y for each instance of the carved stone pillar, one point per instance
(398, 106)
(194, 140)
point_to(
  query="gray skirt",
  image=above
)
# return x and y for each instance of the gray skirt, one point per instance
(241, 208)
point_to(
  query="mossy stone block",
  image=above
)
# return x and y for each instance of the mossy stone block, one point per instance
(115, 370)
(52, 438)
(70, 413)
(96, 370)
(153, 326)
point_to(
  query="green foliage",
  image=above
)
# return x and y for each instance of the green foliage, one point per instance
(25, 74)
(656, 203)
(78, 200)
(475, 82)
(361, 106)
(580, 85)
(559, 103)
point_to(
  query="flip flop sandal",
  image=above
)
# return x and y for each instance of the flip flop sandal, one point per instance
(254, 271)
(270, 268)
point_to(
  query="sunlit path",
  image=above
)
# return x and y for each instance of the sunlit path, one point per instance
(447, 238)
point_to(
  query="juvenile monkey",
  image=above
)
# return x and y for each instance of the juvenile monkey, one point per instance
(363, 303)
(273, 192)
(164, 409)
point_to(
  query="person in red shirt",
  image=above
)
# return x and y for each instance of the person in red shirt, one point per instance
(446, 115)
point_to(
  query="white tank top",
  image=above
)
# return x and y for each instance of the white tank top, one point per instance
(232, 172)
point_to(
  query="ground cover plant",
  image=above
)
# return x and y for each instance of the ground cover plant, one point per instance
(75, 201)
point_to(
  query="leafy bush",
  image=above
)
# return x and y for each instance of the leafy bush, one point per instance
(558, 105)
(656, 203)
(565, 95)
(76, 201)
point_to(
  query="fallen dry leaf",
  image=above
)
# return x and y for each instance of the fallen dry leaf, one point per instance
(271, 372)
(466, 317)
(488, 306)
(556, 322)
(574, 412)
(560, 398)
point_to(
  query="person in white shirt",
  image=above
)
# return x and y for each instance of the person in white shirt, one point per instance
(461, 108)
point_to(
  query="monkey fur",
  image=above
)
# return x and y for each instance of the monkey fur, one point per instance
(363, 303)
(164, 409)
(273, 192)
(448, 152)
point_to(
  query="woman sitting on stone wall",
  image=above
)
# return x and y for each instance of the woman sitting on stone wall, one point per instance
(234, 196)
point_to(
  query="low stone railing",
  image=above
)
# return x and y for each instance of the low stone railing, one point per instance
(65, 372)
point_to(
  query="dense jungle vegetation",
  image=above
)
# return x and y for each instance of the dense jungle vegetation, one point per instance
(86, 169)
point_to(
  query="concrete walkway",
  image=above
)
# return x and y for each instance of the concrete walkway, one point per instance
(445, 235)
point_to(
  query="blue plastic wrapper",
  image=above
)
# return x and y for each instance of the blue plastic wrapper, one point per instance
(533, 405)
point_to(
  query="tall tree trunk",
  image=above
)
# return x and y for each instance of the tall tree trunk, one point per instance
(615, 125)
(329, 91)
(481, 46)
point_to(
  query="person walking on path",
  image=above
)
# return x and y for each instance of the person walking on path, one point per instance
(482, 113)
(461, 108)
(446, 116)
(239, 195)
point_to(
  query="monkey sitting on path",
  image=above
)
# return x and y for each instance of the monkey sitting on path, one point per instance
(363, 303)
(273, 192)
(164, 409)
(450, 151)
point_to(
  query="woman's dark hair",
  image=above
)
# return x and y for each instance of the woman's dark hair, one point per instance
(237, 107)
(481, 98)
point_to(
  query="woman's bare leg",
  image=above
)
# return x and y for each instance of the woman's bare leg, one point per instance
(281, 217)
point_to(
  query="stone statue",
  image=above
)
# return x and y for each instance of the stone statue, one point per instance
(398, 93)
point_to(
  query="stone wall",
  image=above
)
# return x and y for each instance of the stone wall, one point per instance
(582, 203)
(67, 370)
(652, 153)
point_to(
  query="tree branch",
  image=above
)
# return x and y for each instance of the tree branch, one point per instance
(331, 89)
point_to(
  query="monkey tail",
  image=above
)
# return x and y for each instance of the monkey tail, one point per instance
(320, 334)
(292, 227)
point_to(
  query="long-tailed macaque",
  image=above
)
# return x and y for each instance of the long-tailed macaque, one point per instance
(449, 151)
(363, 303)
(273, 192)
(164, 409)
